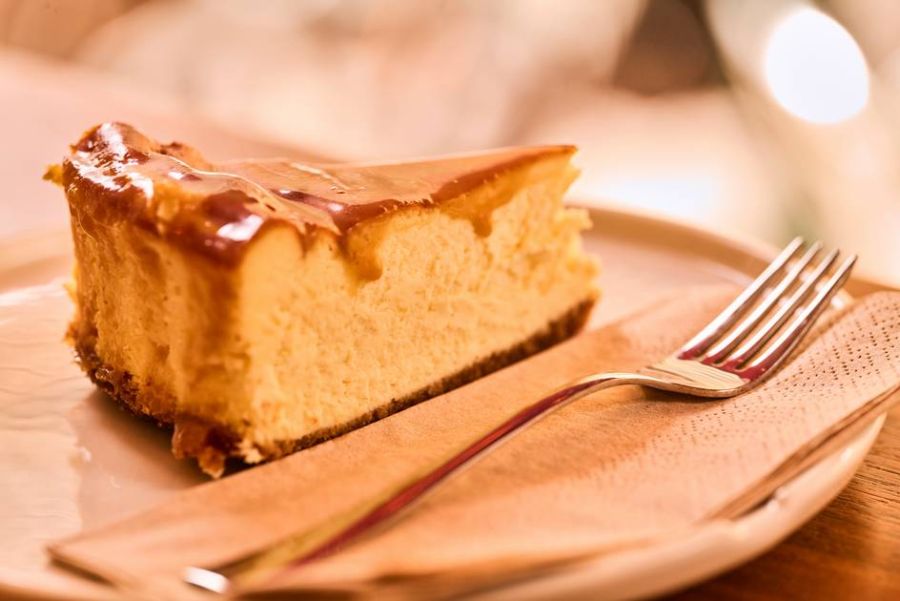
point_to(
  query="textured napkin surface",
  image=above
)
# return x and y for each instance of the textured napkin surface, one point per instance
(613, 469)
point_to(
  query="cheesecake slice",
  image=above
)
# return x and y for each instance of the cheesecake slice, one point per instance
(262, 306)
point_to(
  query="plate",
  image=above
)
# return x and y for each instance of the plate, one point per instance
(73, 460)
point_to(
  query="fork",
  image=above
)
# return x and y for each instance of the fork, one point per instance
(735, 352)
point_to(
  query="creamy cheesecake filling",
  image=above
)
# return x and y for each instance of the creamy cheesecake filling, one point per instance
(446, 297)
(294, 338)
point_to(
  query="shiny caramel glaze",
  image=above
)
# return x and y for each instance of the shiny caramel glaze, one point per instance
(114, 172)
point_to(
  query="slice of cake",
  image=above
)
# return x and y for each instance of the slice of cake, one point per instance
(262, 306)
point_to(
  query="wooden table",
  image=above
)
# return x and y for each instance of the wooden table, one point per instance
(850, 550)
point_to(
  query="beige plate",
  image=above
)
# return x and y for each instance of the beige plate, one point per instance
(72, 460)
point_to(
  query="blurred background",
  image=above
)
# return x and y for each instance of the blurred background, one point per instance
(766, 118)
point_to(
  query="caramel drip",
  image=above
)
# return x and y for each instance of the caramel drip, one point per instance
(115, 172)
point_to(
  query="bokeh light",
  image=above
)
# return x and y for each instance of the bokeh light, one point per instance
(815, 69)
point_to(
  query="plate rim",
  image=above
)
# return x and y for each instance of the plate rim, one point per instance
(816, 486)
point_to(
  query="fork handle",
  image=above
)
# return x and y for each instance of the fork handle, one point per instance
(415, 490)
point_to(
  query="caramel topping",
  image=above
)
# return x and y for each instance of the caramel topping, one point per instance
(116, 172)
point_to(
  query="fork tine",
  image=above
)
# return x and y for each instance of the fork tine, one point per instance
(795, 332)
(724, 320)
(720, 350)
(770, 327)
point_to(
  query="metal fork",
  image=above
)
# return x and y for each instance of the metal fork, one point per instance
(736, 351)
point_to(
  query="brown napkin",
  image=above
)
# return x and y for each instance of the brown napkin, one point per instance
(621, 467)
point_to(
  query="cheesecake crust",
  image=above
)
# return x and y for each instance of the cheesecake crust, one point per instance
(211, 444)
